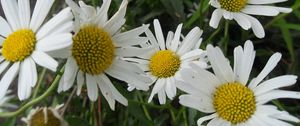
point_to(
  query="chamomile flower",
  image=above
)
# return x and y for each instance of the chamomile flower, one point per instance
(228, 95)
(25, 42)
(97, 51)
(240, 11)
(5, 102)
(168, 57)
(45, 116)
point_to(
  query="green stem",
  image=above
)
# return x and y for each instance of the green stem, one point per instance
(184, 117)
(294, 7)
(170, 107)
(226, 36)
(35, 101)
(144, 107)
(39, 83)
(211, 36)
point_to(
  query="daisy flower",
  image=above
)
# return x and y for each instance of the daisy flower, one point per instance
(4, 102)
(228, 95)
(240, 11)
(45, 116)
(97, 51)
(168, 57)
(25, 42)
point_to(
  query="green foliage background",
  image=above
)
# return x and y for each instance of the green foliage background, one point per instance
(282, 35)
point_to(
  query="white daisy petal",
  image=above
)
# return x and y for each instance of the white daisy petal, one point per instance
(33, 71)
(3, 66)
(283, 115)
(201, 80)
(201, 103)
(133, 51)
(92, 88)
(118, 71)
(25, 80)
(176, 40)
(220, 64)
(275, 94)
(260, 10)
(256, 26)
(41, 9)
(105, 90)
(271, 64)
(63, 17)
(162, 97)
(246, 63)
(170, 37)
(115, 23)
(54, 42)
(228, 15)
(5, 28)
(264, 1)
(159, 84)
(24, 13)
(116, 94)
(215, 18)
(152, 39)
(70, 73)
(11, 13)
(242, 20)
(215, 122)
(44, 60)
(159, 35)
(283, 9)
(80, 81)
(131, 37)
(8, 77)
(275, 83)
(205, 118)
(170, 88)
(102, 15)
(190, 40)
(192, 55)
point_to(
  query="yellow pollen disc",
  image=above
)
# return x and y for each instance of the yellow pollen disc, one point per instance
(38, 119)
(18, 45)
(234, 102)
(164, 64)
(93, 49)
(233, 5)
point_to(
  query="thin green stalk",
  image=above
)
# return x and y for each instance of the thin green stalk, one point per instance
(35, 101)
(226, 36)
(144, 107)
(184, 117)
(200, 12)
(172, 115)
(170, 107)
(41, 77)
(211, 36)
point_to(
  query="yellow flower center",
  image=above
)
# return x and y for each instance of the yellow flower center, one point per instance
(233, 5)
(93, 49)
(18, 45)
(38, 119)
(234, 102)
(164, 64)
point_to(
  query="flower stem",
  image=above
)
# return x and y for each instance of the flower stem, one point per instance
(36, 91)
(37, 100)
